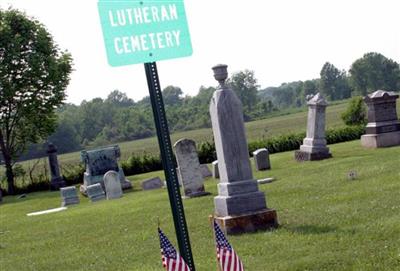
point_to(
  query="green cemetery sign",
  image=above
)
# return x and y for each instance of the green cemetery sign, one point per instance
(144, 31)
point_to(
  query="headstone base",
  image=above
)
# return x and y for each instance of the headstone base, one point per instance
(196, 195)
(311, 156)
(57, 183)
(125, 185)
(70, 201)
(262, 220)
(380, 140)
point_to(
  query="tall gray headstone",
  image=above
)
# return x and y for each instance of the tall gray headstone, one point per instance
(69, 196)
(314, 145)
(189, 168)
(98, 162)
(239, 206)
(261, 159)
(57, 181)
(215, 170)
(95, 192)
(112, 185)
(383, 128)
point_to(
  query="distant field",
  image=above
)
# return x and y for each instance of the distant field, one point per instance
(295, 122)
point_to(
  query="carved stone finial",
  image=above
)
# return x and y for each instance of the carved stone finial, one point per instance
(220, 73)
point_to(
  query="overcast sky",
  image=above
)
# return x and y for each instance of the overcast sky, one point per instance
(281, 41)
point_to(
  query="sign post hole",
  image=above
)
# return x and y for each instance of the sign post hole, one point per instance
(145, 31)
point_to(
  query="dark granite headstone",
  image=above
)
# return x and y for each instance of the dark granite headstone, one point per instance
(57, 181)
(383, 128)
(100, 161)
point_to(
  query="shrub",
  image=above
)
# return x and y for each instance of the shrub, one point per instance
(356, 112)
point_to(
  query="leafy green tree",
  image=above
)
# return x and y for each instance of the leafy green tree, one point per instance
(172, 95)
(245, 86)
(333, 83)
(119, 99)
(33, 76)
(356, 112)
(374, 71)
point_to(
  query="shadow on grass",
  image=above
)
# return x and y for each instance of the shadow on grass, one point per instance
(312, 229)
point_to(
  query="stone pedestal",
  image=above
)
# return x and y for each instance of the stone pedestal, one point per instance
(238, 196)
(314, 145)
(189, 168)
(383, 128)
(263, 220)
(57, 180)
(100, 161)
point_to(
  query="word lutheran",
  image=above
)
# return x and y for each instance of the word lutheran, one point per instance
(143, 15)
(144, 31)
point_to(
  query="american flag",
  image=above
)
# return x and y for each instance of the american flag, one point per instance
(227, 258)
(171, 259)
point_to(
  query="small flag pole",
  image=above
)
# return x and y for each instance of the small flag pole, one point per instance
(211, 219)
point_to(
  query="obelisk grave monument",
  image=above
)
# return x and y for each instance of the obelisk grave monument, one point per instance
(239, 207)
(314, 145)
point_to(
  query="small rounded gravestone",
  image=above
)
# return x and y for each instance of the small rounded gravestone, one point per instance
(112, 185)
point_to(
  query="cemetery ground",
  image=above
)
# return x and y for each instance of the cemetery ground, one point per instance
(327, 222)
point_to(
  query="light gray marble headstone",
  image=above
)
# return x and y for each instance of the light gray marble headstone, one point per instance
(95, 192)
(238, 192)
(112, 185)
(69, 196)
(189, 168)
(205, 171)
(215, 170)
(261, 159)
(314, 144)
(153, 183)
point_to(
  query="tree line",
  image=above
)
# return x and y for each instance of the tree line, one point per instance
(118, 118)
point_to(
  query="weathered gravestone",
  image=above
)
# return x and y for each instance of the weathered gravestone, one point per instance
(153, 183)
(314, 145)
(383, 128)
(240, 206)
(69, 196)
(261, 159)
(215, 169)
(112, 185)
(95, 192)
(189, 168)
(100, 161)
(57, 181)
(205, 171)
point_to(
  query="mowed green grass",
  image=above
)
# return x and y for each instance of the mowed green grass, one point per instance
(326, 221)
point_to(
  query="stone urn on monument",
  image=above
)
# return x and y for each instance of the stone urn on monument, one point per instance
(239, 207)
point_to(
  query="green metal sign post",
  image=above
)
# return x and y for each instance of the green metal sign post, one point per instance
(144, 32)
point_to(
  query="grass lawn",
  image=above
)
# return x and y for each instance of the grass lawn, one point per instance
(326, 222)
